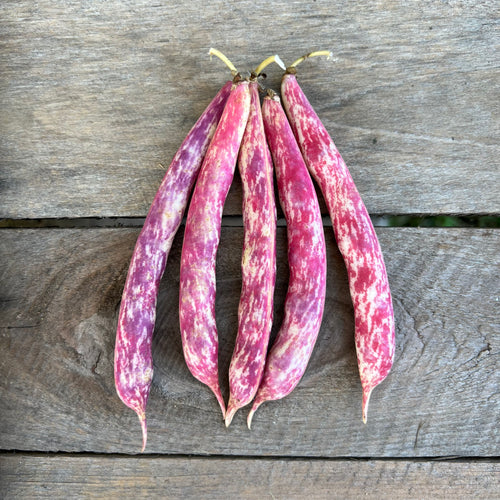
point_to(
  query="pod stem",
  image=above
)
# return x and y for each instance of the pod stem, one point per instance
(266, 62)
(225, 60)
(293, 66)
(271, 94)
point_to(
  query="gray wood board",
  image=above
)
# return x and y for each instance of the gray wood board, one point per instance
(60, 295)
(33, 476)
(97, 97)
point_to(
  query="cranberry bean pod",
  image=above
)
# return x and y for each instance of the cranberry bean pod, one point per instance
(201, 240)
(304, 303)
(356, 239)
(133, 360)
(258, 263)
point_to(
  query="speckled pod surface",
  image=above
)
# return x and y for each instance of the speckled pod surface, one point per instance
(356, 239)
(258, 263)
(133, 363)
(201, 240)
(304, 303)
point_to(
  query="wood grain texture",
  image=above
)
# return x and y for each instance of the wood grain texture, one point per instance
(32, 476)
(95, 96)
(60, 295)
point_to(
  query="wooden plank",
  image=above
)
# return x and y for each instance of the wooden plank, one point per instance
(95, 97)
(60, 296)
(33, 476)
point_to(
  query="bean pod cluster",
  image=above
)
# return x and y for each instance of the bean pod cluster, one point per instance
(289, 141)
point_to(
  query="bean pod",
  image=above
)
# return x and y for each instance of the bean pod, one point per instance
(304, 303)
(356, 239)
(258, 263)
(201, 240)
(133, 363)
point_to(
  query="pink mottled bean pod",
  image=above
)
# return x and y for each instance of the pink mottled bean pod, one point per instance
(201, 240)
(304, 303)
(133, 360)
(356, 239)
(258, 263)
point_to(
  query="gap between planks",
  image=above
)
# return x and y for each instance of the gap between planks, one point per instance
(218, 456)
(383, 220)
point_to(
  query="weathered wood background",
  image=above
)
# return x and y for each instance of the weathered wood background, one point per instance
(95, 99)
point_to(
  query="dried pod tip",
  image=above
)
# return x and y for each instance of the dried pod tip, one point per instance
(249, 418)
(142, 420)
(220, 399)
(225, 60)
(291, 68)
(256, 404)
(366, 400)
(231, 410)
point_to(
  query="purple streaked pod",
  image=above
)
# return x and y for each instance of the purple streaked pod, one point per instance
(133, 363)
(304, 302)
(258, 262)
(356, 238)
(201, 241)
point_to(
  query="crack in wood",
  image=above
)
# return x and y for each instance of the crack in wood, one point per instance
(419, 427)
